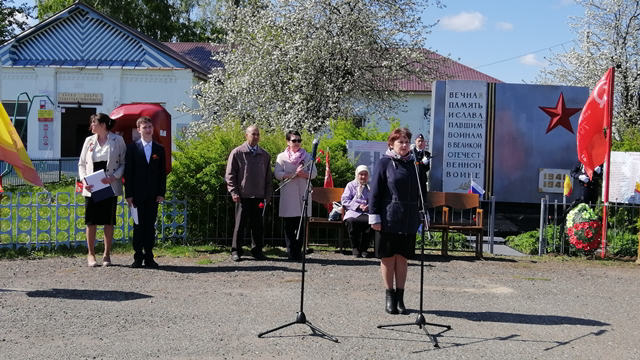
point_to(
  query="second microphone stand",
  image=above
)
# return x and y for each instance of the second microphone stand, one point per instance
(301, 318)
(420, 320)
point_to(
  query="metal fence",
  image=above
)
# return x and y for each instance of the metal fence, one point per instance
(622, 229)
(46, 219)
(52, 219)
(49, 170)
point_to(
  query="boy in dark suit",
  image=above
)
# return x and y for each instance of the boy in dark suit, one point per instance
(145, 186)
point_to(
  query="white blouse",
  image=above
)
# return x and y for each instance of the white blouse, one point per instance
(101, 153)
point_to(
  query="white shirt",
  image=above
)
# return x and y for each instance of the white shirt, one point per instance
(101, 153)
(147, 149)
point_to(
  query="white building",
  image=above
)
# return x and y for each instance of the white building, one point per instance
(80, 62)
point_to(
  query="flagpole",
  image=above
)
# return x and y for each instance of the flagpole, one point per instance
(607, 162)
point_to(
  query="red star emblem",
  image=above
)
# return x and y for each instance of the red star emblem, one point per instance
(560, 115)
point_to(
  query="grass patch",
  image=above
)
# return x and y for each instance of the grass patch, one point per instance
(205, 261)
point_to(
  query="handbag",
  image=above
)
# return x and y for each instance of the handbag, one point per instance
(336, 212)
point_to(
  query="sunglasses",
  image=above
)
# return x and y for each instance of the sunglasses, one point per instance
(296, 140)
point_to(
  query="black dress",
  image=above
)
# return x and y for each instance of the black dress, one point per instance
(102, 212)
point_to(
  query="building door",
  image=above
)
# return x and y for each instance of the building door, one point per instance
(75, 129)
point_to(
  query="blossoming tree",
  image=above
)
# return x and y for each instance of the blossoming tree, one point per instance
(607, 35)
(297, 64)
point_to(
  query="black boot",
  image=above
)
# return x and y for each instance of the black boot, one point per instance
(391, 305)
(400, 298)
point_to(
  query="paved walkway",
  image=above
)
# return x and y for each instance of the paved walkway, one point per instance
(498, 307)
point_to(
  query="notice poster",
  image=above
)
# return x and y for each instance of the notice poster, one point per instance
(45, 130)
(464, 135)
(624, 176)
(364, 152)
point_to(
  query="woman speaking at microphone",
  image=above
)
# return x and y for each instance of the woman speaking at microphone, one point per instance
(393, 214)
(290, 164)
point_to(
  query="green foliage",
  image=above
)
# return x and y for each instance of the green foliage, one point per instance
(200, 164)
(629, 142)
(456, 241)
(622, 243)
(527, 243)
(65, 184)
(163, 20)
(341, 130)
(13, 19)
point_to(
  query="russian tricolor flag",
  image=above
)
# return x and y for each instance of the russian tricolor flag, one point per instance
(476, 189)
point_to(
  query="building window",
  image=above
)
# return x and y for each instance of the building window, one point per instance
(21, 117)
(358, 121)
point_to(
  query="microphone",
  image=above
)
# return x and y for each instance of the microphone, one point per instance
(314, 150)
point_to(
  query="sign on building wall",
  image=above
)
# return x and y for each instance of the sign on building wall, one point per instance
(364, 152)
(552, 180)
(82, 98)
(45, 135)
(625, 175)
(464, 135)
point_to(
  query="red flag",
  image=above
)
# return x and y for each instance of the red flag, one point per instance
(328, 181)
(594, 119)
(79, 187)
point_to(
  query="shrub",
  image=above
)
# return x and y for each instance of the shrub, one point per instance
(200, 163)
(528, 243)
(342, 170)
(457, 241)
(622, 243)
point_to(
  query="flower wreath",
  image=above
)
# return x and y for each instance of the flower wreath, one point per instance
(584, 228)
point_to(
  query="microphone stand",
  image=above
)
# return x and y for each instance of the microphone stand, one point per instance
(301, 318)
(420, 321)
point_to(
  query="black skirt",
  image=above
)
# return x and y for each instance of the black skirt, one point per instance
(102, 212)
(388, 244)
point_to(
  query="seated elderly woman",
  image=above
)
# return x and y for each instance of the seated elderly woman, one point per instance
(356, 200)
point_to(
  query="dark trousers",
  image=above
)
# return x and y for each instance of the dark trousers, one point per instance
(359, 233)
(248, 210)
(144, 233)
(588, 195)
(290, 235)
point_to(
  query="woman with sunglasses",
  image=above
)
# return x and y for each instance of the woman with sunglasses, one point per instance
(296, 164)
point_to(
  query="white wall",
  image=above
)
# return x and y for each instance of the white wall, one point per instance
(117, 86)
(413, 117)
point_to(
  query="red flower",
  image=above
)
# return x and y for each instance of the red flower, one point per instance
(589, 233)
(318, 159)
(321, 152)
(261, 205)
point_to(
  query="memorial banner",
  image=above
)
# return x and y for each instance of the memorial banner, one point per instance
(464, 135)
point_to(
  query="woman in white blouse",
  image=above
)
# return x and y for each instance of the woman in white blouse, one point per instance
(103, 150)
(293, 162)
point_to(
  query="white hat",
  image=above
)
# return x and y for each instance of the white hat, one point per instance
(362, 168)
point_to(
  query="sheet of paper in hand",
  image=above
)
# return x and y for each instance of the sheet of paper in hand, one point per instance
(100, 191)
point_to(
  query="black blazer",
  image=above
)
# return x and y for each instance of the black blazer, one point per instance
(144, 181)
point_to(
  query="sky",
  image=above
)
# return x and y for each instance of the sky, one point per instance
(506, 39)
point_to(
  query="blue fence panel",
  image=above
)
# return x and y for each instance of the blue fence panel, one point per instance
(46, 219)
